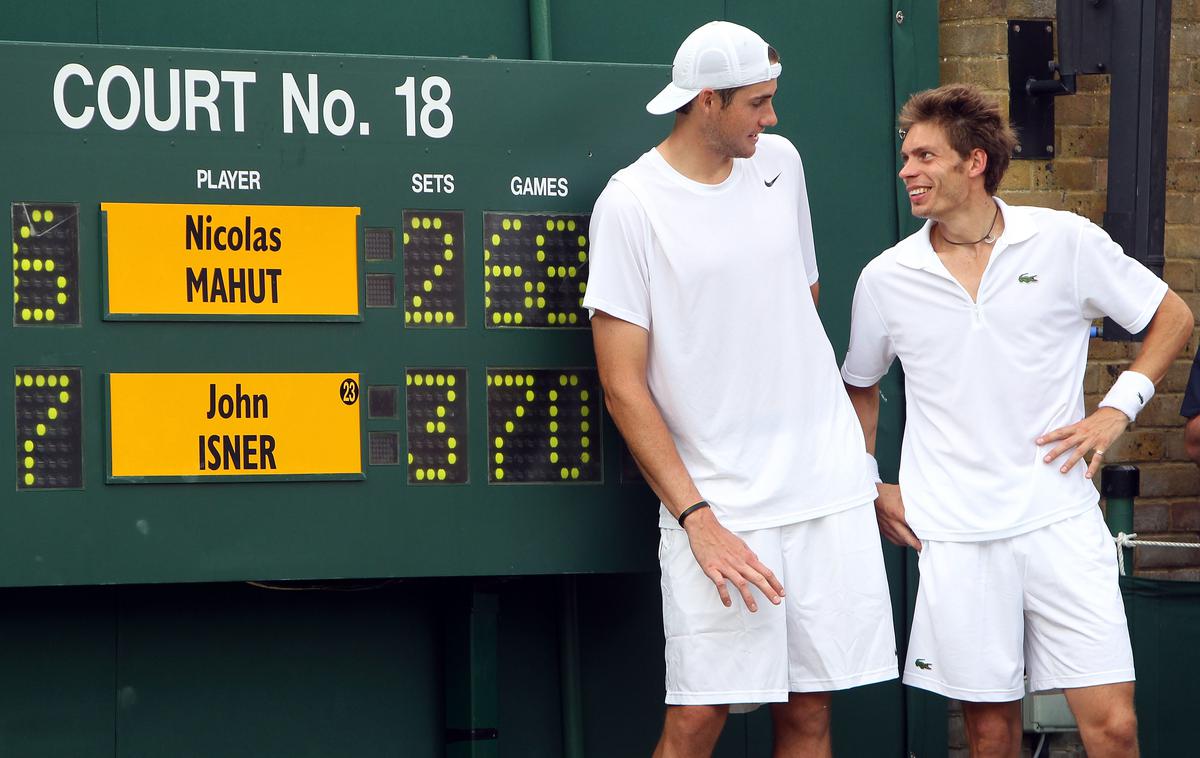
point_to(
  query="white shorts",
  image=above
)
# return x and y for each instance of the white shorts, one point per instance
(1046, 603)
(832, 631)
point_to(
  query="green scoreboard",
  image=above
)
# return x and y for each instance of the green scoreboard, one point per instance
(309, 316)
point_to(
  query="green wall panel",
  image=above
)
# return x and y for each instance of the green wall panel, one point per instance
(914, 67)
(56, 655)
(620, 622)
(449, 28)
(73, 21)
(243, 671)
(834, 102)
(1163, 616)
(626, 31)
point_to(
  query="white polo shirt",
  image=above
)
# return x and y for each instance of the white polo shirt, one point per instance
(984, 379)
(739, 364)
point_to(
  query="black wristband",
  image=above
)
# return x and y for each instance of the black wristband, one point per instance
(692, 508)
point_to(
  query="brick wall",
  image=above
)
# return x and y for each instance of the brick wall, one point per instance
(974, 48)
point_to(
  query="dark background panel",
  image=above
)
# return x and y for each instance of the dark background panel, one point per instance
(237, 670)
(57, 654)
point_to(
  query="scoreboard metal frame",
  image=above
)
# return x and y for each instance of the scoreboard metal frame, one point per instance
(452, 196)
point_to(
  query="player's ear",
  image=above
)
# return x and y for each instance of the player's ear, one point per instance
(979, 162)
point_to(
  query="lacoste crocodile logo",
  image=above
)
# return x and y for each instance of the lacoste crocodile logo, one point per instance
(1027, 278)
(772, 182)
(921, 663)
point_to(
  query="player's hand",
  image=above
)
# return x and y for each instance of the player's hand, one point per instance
(725, 558)
(889, 510)
(1094, 434)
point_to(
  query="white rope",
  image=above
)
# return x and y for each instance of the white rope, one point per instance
(1124, 541)
(1037, 751)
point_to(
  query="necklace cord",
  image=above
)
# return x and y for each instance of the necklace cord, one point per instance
(987, 236)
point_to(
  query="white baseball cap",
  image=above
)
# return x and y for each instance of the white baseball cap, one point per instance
(718, 55)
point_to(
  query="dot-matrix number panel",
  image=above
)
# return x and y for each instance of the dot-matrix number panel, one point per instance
(49, 428)
(437, 425)
(535, 269)
(434, 293)
(45, 264)
(543, 426)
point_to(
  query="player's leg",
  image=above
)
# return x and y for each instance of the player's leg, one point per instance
(968, 623)
(715, 656)
(802, 726)
(993, 729)
(1077, 637)
(840, 632)
(691, 731)
(1106, 719)
(967, 635)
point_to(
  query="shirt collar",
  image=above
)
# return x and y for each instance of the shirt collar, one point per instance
(916, 251)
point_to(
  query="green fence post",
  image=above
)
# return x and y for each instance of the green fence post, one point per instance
(539, 30)
(572, 675)
(472, 677)
(1120, 485)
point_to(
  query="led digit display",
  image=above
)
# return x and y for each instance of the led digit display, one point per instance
(543, 425)
(45, 264)
(434, 292)
(535, 270)
(49, 428)
(437, 425)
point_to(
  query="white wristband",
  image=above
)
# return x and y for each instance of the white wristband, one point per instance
(873, 469)
(1129, 394)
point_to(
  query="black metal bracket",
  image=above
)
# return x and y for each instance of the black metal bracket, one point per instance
(1032, 88)
(1085, 38)
(1130, 41)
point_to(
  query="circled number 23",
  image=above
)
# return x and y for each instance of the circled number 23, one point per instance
(349, 391)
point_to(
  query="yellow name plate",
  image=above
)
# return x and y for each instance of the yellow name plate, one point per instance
(188, 426)
(211, 261)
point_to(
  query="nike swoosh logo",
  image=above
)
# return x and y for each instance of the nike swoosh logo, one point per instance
(772, 182)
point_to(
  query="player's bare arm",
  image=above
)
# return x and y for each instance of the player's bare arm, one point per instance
(1168, 332)
(889, 505)
(621, 351)
(1191, 438)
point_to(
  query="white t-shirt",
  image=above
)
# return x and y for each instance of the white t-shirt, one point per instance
(739, 364)
(984, 379)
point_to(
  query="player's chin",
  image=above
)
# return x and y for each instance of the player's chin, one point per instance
(920, 211)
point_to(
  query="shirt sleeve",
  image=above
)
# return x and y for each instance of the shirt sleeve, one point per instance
(871, 351)
(1110, 283)
(618, 280)
(804, 225)
(1191, 395)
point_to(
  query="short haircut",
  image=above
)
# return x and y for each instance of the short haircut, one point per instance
(727, 94)
(971, 120)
